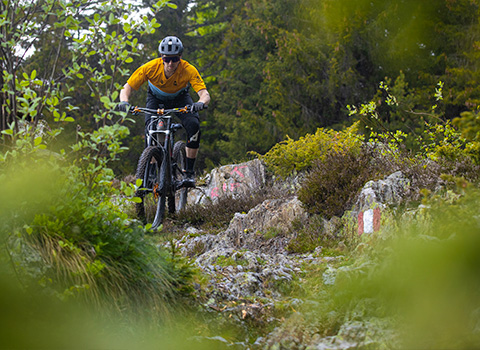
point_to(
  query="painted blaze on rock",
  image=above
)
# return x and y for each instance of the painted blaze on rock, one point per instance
(369, 221)
(230, 180)
(378, 194)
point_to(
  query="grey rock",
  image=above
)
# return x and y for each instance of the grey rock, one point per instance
(263, 227)
(229, 180)
(389, 191)
(249, 260)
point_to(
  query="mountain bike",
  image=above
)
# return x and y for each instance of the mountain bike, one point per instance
(161, 167)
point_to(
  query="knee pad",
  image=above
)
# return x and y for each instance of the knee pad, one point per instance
(192, 126)
(194, 140)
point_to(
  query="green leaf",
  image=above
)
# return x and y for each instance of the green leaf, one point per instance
(105, 99)
(172, 5)
(135, 200)
(38, 140)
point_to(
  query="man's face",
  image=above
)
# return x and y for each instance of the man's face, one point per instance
(170, 63)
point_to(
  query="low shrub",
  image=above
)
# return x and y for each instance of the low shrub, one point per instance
(291, 156)
(332, 185)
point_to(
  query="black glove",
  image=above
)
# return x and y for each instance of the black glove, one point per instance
(197, 106)
(123, 106)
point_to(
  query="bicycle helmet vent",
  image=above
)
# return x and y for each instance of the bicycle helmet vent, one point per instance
(171, 45)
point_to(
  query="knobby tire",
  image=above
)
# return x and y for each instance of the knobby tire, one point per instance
(178, 200)
(151, 209)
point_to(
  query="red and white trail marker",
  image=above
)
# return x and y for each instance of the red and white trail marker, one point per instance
(369, 221)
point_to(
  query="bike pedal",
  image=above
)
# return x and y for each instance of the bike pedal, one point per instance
(189, 179)
(189, 183)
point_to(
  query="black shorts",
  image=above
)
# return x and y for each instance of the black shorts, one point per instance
(190, 120)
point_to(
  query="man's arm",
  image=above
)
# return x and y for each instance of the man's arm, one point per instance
(125, 93)
(203, 95)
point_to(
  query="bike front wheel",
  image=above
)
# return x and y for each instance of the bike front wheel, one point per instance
(151, 209)
(178, 200)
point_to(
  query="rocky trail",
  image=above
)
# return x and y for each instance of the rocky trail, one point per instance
(249, 267)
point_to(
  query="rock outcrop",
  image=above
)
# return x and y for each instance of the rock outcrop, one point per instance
(231, 180)
(390, 191)
(250, 256)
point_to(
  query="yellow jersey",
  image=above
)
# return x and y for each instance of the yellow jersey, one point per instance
(163, 88)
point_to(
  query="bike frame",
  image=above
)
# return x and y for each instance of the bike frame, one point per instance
(160, 132)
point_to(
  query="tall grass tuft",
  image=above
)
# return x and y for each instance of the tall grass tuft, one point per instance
(76, 243)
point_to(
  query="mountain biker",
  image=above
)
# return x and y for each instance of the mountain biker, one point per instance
(169, 78)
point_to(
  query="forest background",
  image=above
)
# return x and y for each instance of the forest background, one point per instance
(277, 70)
(274, 69)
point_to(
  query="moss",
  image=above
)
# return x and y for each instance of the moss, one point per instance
(231, 261)
(272, 232)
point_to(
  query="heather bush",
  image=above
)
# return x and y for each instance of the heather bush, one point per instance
(333, 183)
(469, 125)
(445, 145)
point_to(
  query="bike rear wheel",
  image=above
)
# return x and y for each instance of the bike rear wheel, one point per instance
(178, 200)
(151, 209)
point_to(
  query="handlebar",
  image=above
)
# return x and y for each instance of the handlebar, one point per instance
(135, 110)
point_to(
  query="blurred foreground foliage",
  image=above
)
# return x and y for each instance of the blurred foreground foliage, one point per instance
(77, 270)
(412, 285)
(74, 238)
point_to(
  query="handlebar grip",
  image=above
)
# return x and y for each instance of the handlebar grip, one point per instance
(189, 107)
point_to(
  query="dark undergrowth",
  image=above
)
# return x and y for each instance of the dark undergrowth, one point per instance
(216, 215)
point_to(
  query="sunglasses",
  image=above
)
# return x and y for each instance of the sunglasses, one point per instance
(171, 59)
